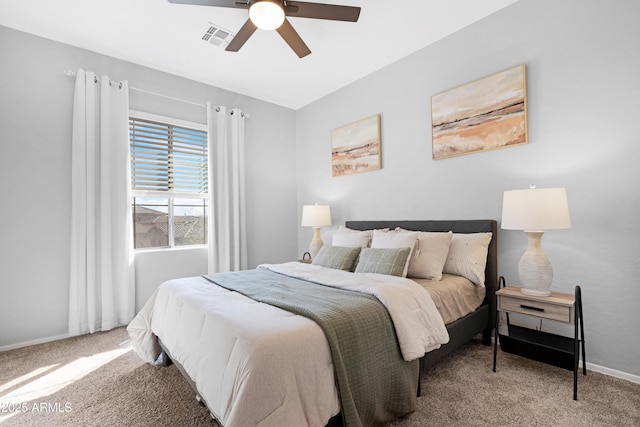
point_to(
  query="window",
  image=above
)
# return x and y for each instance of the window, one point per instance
(169, 181)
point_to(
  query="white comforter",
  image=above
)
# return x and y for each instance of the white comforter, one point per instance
(258, 365)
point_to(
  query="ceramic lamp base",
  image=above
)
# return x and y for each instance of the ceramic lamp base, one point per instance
(316, 242)
(535, 271)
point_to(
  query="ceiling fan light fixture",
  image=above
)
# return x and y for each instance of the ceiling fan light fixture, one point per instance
(266, 14)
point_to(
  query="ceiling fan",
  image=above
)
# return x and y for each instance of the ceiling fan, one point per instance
(272, 15)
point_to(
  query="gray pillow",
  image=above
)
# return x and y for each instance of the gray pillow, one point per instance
(390, 261)
(338, 257)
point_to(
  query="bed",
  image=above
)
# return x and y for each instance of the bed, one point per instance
(257, 363)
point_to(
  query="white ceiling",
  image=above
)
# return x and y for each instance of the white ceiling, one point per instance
(165, 36)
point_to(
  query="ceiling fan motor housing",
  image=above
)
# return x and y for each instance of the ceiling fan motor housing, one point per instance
(266, 14)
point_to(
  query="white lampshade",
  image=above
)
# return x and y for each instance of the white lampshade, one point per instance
(316, 215)
(266, 14)
(534, 211)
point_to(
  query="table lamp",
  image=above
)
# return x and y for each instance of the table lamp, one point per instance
(315, 216)
(535, 210)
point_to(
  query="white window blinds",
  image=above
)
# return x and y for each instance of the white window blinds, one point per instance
(166, 157)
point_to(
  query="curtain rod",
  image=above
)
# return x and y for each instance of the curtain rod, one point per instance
(72, 73)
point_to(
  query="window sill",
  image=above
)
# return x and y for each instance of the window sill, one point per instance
(168, 249)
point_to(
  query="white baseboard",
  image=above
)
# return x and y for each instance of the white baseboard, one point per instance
(613, 373)
(33, 342)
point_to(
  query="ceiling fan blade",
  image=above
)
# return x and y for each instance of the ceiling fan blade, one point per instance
(293, 39)
(216, 3)
(334, 12)
(243, 35)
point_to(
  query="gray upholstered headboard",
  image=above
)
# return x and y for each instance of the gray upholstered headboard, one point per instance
(457, 226)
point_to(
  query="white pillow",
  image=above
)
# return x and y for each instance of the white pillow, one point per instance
(352, 238)
(429, 254)
(343, 229)
(468, 256)
(382, 239)
(356, 239)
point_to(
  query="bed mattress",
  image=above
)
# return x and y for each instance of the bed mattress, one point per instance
(454, 296)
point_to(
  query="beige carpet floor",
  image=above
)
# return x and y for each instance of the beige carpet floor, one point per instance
(93, 381)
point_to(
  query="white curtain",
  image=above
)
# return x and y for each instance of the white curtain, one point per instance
(102, 289)
(227, 224)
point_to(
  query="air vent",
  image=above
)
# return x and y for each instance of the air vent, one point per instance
(217, 36)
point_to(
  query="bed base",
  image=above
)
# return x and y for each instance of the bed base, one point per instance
(460, 332)
(166, 360)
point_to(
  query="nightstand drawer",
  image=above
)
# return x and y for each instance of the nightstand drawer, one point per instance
(541, 309)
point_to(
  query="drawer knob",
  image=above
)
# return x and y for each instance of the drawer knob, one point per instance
(528, 307)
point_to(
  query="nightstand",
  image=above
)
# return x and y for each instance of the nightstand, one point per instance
(546, 347)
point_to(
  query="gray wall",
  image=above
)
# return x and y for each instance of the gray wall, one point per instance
(582, 59)
(36, 101)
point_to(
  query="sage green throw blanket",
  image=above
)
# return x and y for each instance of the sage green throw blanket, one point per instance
(375, 384)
